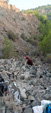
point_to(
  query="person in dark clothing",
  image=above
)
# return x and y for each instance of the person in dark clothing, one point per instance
(3, 86)
(1, 89)
(1, 79)
(29, 61)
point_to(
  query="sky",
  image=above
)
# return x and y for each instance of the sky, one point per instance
(28, 4)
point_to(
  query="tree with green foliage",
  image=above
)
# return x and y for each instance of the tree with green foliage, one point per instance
(43, 19)
(32, 12)
(45, 45)
(49, 25)
(43, 29)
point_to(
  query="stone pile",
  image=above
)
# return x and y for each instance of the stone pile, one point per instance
(27, 85)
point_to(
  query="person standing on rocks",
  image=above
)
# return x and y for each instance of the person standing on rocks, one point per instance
(3, 86)
(1, 79)
(29, 61)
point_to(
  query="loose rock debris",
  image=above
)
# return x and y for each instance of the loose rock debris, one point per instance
(27, 85)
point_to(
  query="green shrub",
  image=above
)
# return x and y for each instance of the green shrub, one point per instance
(30, 32)
(50, 67)
(11, 35)
(23, 18)
(8, 48)
(48, 58)
(14, 19)
(43, 29)
(35, 37)
(40, 37)
(32, 12)
(23, 36)
(36, 53)
(32, 41)
(43, 18)
(45, 45)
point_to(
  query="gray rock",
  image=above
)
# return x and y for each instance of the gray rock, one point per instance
(23, 68)
(47, 96)
(28, 110)
(39, 72)
(33, 72)
(33, 82)
(23, 93)
(22, 77)
(34, 103)
(31, 98)
(26, 75)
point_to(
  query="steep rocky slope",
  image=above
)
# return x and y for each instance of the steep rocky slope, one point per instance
(13, 19)
(27, 85)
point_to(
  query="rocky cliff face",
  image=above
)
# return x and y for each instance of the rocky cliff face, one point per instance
(13, 19)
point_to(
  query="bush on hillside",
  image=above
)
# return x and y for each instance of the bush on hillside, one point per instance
(23, 36)
(36, 53)
(48, 58)
(8, 48)
(35, 37)
(45, 45)
(43, 29)
(36, 12)
(43, 18)
(11, 35)
(14, 19)
(32, 41)
(23, 18)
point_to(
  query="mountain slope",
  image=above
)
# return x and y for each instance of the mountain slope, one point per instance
(13, 19)
(44, 10)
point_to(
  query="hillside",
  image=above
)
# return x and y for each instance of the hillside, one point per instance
(43, 10)
(13, 19)
(23, 86)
